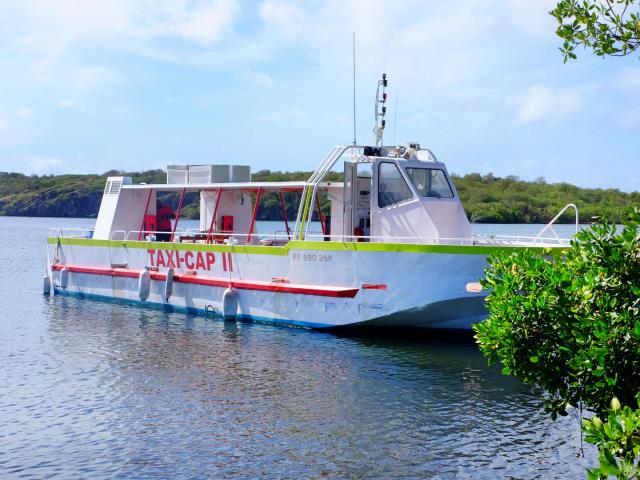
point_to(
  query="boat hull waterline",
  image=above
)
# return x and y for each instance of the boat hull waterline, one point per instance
(306, 284)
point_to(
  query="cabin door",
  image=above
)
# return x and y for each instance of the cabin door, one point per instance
(357, 199)
(347, 219)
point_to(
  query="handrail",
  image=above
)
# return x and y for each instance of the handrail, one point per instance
(305, 209)
(549, 226)
(138, 233)
(70, 232)
(305, 191)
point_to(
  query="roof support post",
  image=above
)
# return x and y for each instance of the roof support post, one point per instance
(255, 213)
(312, 200)
(303, 212)
(284, 215)
(144, 216)
(175, 225)
(215, 212)
(320, 216)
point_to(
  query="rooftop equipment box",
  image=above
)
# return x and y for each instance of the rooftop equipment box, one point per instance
(178, 174)
(240, 173)
(202, 174)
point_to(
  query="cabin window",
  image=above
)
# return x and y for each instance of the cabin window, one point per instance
(363, 170)
(392, 188)
(430, 182)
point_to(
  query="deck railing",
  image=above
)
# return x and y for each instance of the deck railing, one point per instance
(71, 232)
(281, 238)
(549, 226)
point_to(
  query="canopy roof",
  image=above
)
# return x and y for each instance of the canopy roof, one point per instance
(267, 186)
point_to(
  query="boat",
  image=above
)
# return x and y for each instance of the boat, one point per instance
(391, 247)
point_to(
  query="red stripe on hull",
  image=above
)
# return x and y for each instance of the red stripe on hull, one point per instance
(339, 292)
(374, 286)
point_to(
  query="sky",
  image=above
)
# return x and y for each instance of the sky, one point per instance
(88, 86)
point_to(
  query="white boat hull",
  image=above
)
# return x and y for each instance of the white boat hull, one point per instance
(306, 284)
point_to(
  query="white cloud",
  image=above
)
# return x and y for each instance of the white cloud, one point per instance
(255, 79)
(24, 112)
(628, 80)
(540, 103)
(49, 29)
(409, 39)
(630, 118)
(533, 18)
(90, 78)
(4, 122)
(298, 115)
(426, 45)
(294, 114)
(43, 165)
(283, 17)
(66, 103)
(202, 22)
(81, 86)
(271, 117)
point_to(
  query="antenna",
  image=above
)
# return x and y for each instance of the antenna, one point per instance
(381, 101)
(354, 88)
(395, 118)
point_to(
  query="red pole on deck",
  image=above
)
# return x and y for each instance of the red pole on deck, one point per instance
(320, 214)
(215, 211)
(146, 210)
(255, 213)
(284, 214)
(175, 225)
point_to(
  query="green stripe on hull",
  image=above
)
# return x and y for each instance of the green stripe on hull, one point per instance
(415, 248)
(193, 247)
(308, 245)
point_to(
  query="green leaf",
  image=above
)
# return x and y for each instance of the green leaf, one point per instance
(593, 474)
(608, 462)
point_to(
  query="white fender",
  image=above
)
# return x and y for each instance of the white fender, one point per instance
(144, 284)
(64, 277)
(168, 285)
(230, 304)
(46, 285)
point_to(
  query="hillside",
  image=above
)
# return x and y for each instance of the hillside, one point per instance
(487, 199)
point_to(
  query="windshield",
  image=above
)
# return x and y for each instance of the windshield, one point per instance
(430, 182)
(392, 188)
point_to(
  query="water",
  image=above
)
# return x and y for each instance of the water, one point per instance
(96, 390)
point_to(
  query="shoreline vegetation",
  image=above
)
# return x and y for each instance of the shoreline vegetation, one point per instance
(486, 198)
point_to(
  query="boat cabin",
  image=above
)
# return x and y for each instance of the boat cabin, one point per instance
(399, 194)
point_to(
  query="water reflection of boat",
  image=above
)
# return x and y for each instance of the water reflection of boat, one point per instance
(239, 353)
(247, 398)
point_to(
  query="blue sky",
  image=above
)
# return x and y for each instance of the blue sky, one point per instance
(89, 85)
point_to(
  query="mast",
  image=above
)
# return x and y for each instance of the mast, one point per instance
(354, 88)
(380, 110)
